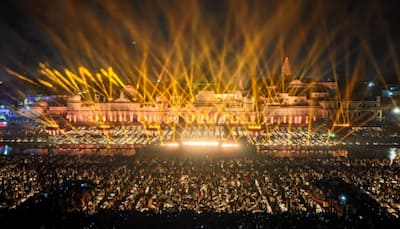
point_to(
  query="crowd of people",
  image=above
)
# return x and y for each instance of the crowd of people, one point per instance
(160, 184)
(274, 182)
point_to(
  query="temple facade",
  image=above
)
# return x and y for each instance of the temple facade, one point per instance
(300, 102)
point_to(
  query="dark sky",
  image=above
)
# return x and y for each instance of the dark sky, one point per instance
(353, 38)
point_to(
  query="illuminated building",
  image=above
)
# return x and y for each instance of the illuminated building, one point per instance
(300, 102)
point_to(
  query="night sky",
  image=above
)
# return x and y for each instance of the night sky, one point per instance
(322, 38)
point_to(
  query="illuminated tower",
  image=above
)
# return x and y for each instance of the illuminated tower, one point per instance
(241, 85)
(286, 71)
(286, 68)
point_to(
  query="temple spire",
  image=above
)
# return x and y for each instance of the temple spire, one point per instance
(286, 68)
(241, 85)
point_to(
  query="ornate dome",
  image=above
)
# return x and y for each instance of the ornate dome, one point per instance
(131, 91)
(74, 98)
(206, 96)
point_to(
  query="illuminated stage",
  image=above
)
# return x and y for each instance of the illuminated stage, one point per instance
(202, 147)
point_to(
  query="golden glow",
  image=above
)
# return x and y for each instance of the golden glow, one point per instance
(200, 143)
(342, 124)
(172, 144)
(230, 145)
(254, 127)
(170, 59)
